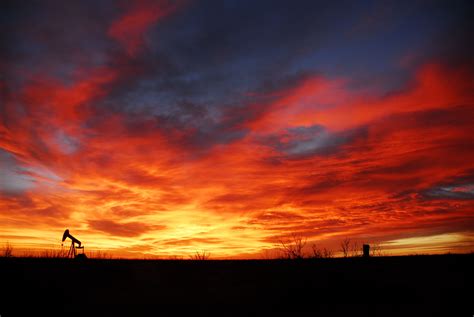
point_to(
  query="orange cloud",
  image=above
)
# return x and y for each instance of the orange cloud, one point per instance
(319, 160)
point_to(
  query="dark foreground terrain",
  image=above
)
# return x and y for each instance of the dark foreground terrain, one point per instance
(388, 286)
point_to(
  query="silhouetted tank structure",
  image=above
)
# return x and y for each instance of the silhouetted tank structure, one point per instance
(366, 250)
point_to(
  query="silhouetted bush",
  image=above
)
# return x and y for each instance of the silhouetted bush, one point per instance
(200, 255)
(376, 249)
(7, 250)
(321, 253)
(350, 248)
(356, 249)
(345, 247)
(293, 248)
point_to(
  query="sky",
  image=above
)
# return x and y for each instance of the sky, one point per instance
(165, 128)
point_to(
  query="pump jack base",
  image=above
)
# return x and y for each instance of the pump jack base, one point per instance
(81, 256)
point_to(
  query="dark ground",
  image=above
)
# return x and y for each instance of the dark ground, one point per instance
(387, 286)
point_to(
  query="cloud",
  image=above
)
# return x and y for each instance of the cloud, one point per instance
(129, 229)
(12, 180)
(301, 141)
(367, 178)
(452, 191)
(129, 29)
(192, 241)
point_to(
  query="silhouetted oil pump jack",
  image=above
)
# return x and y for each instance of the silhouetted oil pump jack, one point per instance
(72, 250)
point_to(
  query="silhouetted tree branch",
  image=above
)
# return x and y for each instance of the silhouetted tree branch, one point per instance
(356, 249)
(321, 253)
(345, 246)
(293, 248)
(376, 249)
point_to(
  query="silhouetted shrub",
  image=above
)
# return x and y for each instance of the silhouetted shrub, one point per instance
(356, 249)
(293, 248)
(321, 253)
(7, 250)
(345, 247)
(200, 255)
(350, 248)
(376, 249)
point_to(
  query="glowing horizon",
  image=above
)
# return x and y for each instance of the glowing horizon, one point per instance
(147, 130)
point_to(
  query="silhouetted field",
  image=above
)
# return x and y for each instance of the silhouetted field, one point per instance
(388, 286)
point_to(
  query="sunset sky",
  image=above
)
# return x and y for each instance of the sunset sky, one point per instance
(161, 128)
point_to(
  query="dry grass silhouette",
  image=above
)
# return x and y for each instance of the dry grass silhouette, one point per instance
(99, 254)
(53, 253)
(200, 255)
(7, 250)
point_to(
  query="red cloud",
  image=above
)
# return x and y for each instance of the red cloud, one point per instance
(329, 103)
(388, 175)
(130, 28)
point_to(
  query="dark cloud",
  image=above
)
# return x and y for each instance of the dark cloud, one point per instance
(462, 188)
(197, 68)
(300, 142)
(13, 179)
(54, 37)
